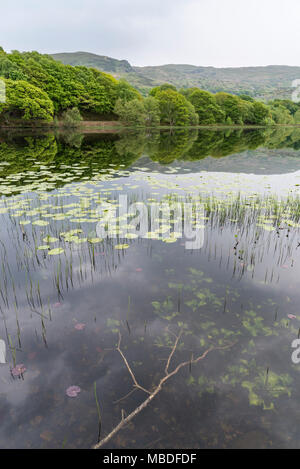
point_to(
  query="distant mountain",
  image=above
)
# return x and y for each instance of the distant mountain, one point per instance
(117, 68)
(273, 81)
(105, 64)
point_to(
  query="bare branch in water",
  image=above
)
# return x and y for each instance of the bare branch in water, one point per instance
(152, 394)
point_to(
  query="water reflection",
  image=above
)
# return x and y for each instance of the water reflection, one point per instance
(19, 153)
(241, 286)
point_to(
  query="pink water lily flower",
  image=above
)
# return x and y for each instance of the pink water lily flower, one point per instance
(292, 316)
(73, 391)
(18, 370)
(79, 326)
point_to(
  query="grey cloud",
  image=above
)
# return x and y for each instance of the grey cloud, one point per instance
(149, 32)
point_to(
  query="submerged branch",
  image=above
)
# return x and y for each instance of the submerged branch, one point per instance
(157, 389)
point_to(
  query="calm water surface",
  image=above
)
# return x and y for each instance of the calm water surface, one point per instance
(77, 270)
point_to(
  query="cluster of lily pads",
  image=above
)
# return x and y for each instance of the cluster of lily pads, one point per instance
(95, 201)
(55, 222)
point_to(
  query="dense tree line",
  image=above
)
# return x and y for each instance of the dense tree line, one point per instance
(38, 88)
(192, 106)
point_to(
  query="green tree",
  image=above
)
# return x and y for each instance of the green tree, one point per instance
(281, 115)
(131, 112)
(86, 88)
(230, 104)
(71, 118)
(163, 87)
(27, 102)
(260, 113)
(174, 108)
(286, 103)
(126, 92)
(10, 70)
(246, 111)
(206, 107)
(151, 111)
(246, 97)
(297, 117)
(193, 116)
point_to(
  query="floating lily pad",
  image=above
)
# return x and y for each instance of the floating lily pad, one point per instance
(50, 239)
(43, 247)
(95, 240)
(54, 252)
(40, 223)
(131, 236)
(170, 240)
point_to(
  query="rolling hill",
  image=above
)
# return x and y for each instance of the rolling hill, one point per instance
(115, 67)
(273, 81)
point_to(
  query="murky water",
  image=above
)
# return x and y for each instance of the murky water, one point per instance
(148, 236)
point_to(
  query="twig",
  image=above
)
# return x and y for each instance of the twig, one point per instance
(136, 384)
(157, 389)
(124, 397)
(172, 352)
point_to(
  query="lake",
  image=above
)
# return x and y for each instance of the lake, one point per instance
(172, 244)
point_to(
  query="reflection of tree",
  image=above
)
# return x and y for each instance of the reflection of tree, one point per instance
(173, 145)
(206, 142)
(238, 141)
(283, 137)
(73, 138)
(131, 144)
(278, 137)
(22, 152)
(220, 143)
(224, 142)
(101, 151)
(295, 138)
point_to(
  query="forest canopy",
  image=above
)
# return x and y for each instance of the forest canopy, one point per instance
(39, 89)
(65, 87)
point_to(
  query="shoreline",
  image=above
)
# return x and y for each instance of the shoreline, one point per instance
(117, 126)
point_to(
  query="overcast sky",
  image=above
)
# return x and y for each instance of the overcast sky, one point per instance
(221, 33)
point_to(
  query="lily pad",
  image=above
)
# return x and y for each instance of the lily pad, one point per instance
(95, 240)
(40, 223)
(50, 239)
(54, 252)
(44, 247)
